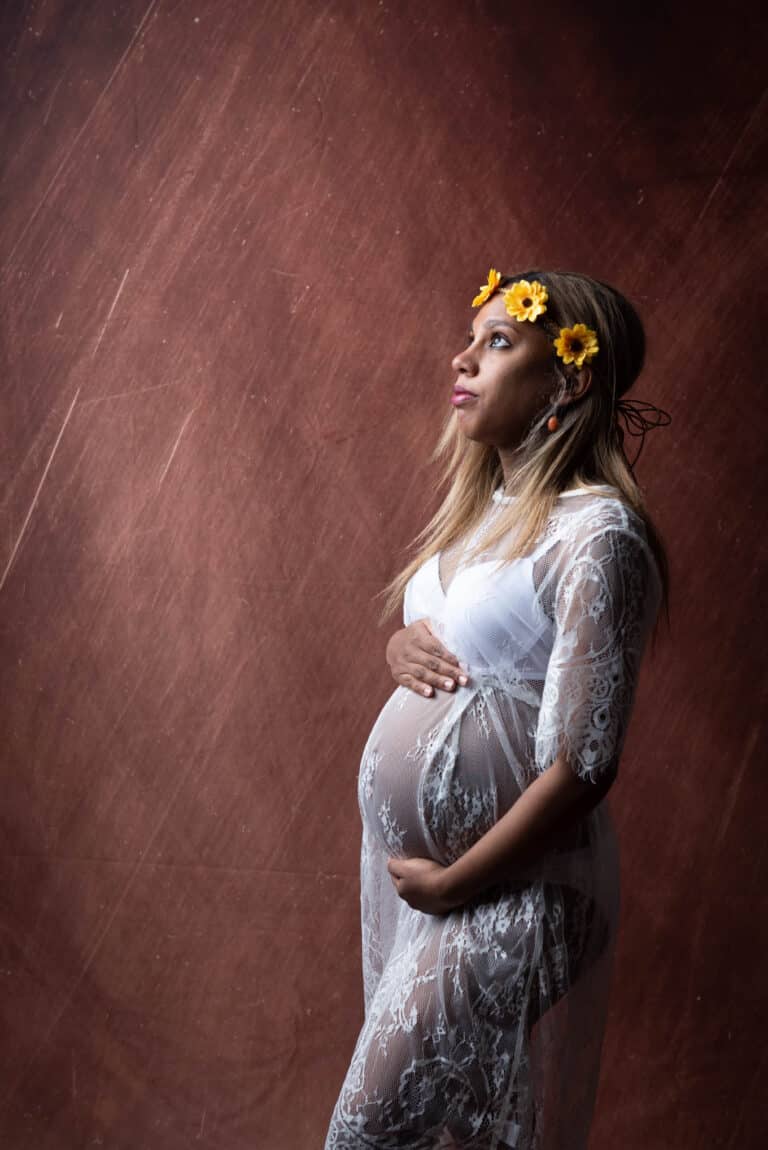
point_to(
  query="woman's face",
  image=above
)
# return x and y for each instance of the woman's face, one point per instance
(507, 364)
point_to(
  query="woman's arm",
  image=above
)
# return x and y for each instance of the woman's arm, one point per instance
(552, 804)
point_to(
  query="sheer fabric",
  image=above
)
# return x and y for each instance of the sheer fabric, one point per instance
(483, 1027)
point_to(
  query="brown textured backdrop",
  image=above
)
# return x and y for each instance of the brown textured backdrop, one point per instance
(238, 244)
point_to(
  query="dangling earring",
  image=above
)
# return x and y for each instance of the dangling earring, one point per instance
(557, 409)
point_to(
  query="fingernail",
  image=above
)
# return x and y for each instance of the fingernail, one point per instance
(448, 684)
(463, 680)
(427, 690)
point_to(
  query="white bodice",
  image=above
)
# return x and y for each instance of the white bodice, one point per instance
(493, 615)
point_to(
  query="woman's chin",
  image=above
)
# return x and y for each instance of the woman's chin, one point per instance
(466, 420)
(472, 429)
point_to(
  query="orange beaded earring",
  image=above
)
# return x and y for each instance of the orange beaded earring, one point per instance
(557, 410)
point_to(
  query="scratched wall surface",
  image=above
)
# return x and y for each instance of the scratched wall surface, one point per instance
(238, 242)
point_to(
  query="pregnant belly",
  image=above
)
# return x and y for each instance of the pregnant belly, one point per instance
(435, 776)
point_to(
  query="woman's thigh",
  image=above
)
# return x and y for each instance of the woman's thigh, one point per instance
(441, 1056)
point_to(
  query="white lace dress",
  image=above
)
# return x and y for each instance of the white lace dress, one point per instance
(483, 1027)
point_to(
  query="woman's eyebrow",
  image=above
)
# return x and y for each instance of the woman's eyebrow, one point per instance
(496, 321)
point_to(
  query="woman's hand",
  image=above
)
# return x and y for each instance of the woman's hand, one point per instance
(417, 659)
(422, 884)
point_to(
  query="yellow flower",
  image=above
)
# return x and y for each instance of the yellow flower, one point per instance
(487, 290)
(576, 344)
(526, 300)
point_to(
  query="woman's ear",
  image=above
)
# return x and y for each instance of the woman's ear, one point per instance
(579, 383)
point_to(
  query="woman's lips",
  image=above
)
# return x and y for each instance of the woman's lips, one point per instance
(459, 398)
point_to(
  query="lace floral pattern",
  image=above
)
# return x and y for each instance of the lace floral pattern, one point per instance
(461, 1047)
(603, 616)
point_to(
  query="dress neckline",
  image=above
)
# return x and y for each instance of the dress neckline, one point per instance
(498, 496)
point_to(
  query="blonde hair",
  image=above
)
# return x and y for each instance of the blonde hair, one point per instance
(585, 449)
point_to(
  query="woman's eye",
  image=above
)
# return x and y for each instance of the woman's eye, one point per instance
(494, 335)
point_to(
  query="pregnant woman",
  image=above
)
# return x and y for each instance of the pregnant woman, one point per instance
(489, 867)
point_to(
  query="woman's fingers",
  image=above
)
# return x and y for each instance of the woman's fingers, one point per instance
(431, 672)
(419, 660)
(435, 657)
(431, 643)
(416, 680)
(440, 661)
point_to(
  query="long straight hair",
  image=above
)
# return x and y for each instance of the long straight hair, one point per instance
(586, 448)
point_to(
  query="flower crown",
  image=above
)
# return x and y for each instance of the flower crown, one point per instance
(526, 300)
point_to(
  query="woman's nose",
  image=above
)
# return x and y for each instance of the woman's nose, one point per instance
(464, 362)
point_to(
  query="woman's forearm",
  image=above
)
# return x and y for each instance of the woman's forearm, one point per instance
(555, 801)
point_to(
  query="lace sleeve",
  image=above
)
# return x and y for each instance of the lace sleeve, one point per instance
(605, 606)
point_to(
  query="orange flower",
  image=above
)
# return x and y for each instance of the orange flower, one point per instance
(487, 290)
(576, 344)
(526, 300)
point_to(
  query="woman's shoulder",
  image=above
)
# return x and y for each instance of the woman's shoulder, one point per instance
(604, 534)
(600, 505)
(597, 518)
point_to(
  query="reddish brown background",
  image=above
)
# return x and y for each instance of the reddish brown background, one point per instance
(238, 242)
